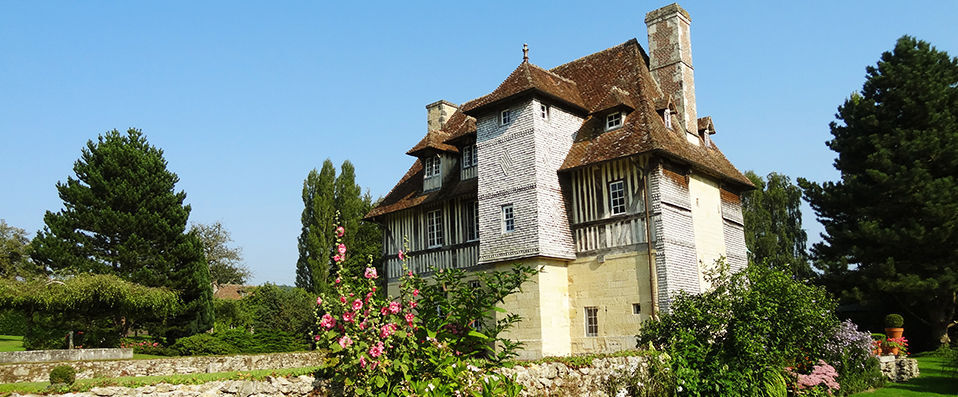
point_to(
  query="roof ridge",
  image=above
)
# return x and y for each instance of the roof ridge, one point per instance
(563, 78)
(632, 41)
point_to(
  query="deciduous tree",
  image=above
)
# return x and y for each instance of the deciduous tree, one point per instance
(773, 224)
(15, 252)
(315, 241)
(225, 262)
(890, 222)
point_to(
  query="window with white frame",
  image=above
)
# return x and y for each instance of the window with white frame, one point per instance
(617, 197)
(505, 117)
(592, 321)
(667, 116)
(434, 228)
(431, 166)
(470, 212)
(613, 121)
(470, 157)
(508, 219)
(544, 111)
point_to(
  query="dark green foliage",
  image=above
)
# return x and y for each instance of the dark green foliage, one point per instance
(63, 375)
(894, 321)
(12, 322)
(315, 240)
(237, 341)
(225, 262)
(451, 305)
(891, 234)
(773, 224)
(857, 379)
(231, 313)
(122, 216)
(15, 252)
(280, 308)
(203, 345)
(724, 341)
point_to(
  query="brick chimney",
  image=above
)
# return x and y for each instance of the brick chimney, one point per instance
(437, 113)
(670, 59)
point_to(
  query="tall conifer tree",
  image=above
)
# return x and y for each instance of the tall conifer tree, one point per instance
(892, 216)
(122, 216)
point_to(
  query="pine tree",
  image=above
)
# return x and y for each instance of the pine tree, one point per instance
(892, 216)
(122, 216)
(316, 238)
(773, 224)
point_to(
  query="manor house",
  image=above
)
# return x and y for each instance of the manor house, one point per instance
(600, 172)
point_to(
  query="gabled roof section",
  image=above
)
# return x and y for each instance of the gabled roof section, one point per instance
(617, 97)
(705, 124)
(458, 127)
(529, 78)
(433, 140)
(408, 192)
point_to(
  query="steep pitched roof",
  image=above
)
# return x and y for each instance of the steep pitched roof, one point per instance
(408, 192)
(434, 139)
(528, 78)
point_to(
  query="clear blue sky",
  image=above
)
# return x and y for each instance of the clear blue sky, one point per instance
(246, 97)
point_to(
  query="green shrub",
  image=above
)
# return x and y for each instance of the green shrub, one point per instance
(13, 322)
(278, 341)
(202, 345)
(894, 321)
(282, 308)
(63, 375)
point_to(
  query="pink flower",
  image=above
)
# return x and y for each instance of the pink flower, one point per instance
(413, 304)
(415, 292)
(345, 341)
(362, 362)
(348, 317)
(327, 321)
(409, 318)
(384, 310)
(371, 273)
(342, 249)
(337, 258)
(394, 307)
(338, 280)
(155, 344)
(340, 231)
(372, 365)
(402, 256)
(377, 350)
(409, 274)
(369, 296)
(357, 304)
(362, 325)
(319, 300)
(342, 299)
(315, 337)
(387, 330)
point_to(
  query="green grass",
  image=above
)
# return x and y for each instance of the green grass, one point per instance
(935, 379)
(130, 381)
(11, 343)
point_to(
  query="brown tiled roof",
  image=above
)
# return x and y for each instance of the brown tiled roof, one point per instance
(434, 139)
(528, 78)
(459, 126)
(232, 291)
(408, 192)
(706, 123)
(617, 97)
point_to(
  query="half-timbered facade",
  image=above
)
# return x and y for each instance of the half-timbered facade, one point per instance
(598, 172)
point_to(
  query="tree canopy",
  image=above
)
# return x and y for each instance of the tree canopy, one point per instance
(225, 262)
(890, 224)
(15, 252)
(773, 224)
(122, 216)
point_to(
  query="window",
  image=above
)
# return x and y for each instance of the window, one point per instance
(613, 121)
(592, 321)
(477, 323)
(471, 222)
(617, 197)
(434, 228)
(469, 156)
(431, 166)
(505, 117)
(636, 308)
(667, 116)
(508, 219)
(544, 111)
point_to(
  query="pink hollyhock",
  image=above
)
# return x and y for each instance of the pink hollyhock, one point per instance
(327, 321)
(362, 325)
(369, 296)
(345, 341)
(337, 258)
(401, 255)
(319, 300)
(372, 365)
(394, 307)
(413, 304)
(342, 249)
(337, 280)
(415, 292)
(409, 318)
(340, 231)
(377, 350)
(387, 330)
(348, 316)
(384, 310)
(362, 362)
(357, 304)
(342, 299)
(371, 273)
(315, 337)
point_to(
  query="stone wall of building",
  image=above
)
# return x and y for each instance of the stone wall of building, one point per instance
(676, 260)
(707, 224)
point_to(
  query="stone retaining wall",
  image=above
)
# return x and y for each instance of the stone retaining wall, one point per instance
(597, 380)
(899, 369)
(40, 372)
(44, 356)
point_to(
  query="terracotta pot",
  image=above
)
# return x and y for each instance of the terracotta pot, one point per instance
(889, 350)
(894, 332)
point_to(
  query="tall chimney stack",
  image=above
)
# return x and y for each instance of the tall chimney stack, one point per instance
(437, 113)
(670, 59)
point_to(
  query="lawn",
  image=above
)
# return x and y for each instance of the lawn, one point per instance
(11, 343)
(935, 379)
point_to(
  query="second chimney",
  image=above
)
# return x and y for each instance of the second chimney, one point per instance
(670, 59)
(437, 113)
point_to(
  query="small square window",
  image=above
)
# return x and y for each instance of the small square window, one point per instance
(591, 321)
(617, 197)
(505, 117)
(508, 219)
(431, 166)
(636, 308)
(613, 121)
(544, 111)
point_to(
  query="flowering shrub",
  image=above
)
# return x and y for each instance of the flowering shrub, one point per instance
(823, 379)
(851, 352)
(379, 346)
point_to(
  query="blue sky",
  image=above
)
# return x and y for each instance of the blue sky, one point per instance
(246, 97)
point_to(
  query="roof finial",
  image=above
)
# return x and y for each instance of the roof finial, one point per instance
(525, 53)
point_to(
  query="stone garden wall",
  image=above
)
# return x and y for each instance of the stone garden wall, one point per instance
(41, 356)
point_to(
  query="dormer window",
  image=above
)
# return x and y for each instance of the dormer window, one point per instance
(667, 116)
(613, 121)
(431, 166)
(505, 117)
(470, 156)
(544, 111)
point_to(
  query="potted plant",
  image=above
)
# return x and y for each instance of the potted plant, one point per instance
(877, 340)
(893, 323)
(895, 346)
